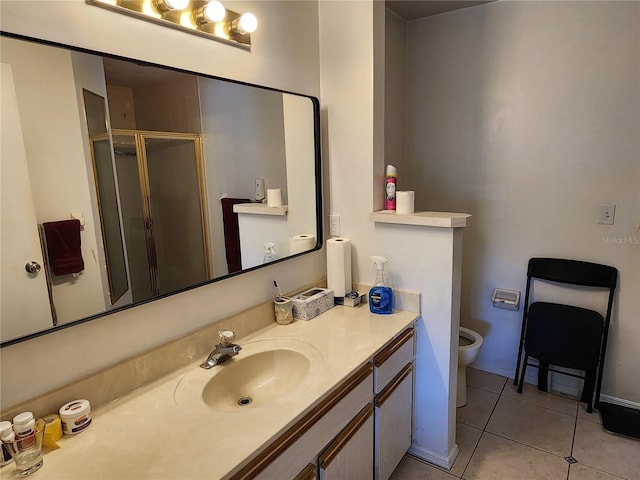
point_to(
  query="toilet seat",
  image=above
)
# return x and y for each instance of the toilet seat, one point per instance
(475, 337)
(466, 355)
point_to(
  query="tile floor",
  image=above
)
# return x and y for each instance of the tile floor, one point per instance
(503, 435)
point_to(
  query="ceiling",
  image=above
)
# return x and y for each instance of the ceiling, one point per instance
(413, 9)
(134, 75)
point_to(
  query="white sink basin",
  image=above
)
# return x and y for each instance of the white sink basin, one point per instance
(264, 372)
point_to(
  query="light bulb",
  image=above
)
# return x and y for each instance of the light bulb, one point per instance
(214, 11)
(168, 5)
(248, 23)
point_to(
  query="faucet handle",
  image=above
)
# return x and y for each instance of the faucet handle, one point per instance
(226, 337)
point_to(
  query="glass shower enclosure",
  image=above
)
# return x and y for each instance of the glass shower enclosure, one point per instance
(159, 179)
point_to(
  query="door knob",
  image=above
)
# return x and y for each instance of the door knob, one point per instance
(32, 267)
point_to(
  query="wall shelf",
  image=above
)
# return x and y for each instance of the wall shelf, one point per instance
(424, 219)
(260, 209)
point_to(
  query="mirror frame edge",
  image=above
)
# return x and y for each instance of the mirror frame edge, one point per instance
(317, 171)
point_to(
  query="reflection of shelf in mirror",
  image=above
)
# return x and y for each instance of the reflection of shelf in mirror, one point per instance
(260, 209)
(425, 219)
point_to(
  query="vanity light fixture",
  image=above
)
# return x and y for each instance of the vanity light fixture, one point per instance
(247, 23)
(207, 18)
(170, 5)
(212, 12)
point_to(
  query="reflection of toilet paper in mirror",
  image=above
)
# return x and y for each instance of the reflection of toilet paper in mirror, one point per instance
(339, 266)
(405, 201)
(274, 197)
(259, 189)
(301, 243)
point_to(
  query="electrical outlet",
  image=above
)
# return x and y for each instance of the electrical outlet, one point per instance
(334, 225)
(607, 213)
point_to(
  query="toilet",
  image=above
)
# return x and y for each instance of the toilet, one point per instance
(469, 344)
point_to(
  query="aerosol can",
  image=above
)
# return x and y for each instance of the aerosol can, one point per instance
(380, 296)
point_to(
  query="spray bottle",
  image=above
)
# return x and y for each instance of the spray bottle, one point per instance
(390, 184)
(269, 252)
(380, 296)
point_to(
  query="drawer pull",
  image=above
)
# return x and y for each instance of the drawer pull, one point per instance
(386, 393)
(350, 430)
(393, 348)
(309, 473)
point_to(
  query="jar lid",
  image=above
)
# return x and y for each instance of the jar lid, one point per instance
(24, 417)
(75, 408)
(4, 425)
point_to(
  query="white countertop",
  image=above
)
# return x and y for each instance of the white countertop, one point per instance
(154, 433)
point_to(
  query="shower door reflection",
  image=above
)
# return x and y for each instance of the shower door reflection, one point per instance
(163, 210)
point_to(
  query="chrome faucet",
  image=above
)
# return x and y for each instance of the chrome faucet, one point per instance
(223, 351)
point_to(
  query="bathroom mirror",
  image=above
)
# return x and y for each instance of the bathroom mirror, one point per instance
(167, 173)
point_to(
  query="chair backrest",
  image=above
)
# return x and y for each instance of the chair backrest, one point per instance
(573, 272)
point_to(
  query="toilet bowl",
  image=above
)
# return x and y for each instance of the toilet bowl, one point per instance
(469, 344)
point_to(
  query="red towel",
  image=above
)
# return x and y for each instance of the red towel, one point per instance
(63, 246)
(232, 233)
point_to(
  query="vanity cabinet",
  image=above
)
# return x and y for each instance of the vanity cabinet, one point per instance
(361, 430)
(350, 455)
(393, 385)
(302, 444)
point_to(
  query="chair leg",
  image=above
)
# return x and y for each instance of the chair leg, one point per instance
(521, 344)
(543, 376)
(517, 374)
(522, 372)
(588, 388)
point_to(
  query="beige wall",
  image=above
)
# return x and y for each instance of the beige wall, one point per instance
(48, 362)
(394, 100)
(50, 114)
(527, 115)
(420, 258)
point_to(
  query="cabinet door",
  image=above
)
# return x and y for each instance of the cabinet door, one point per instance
(394, 408)
(350, 455)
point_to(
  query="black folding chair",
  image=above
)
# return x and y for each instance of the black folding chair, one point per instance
(565, 335)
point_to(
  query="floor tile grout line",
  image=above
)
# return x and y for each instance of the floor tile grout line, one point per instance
(484, 430)
(526, 445)
(464, 470)
(538, 405)
(573, 440)
(495, 405)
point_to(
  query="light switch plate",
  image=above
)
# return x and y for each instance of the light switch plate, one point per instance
(607, 213)
(334, 225)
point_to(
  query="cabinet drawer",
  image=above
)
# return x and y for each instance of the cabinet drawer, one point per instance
(289, 455)
(391, 361)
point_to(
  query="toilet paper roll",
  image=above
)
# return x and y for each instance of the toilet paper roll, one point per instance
(301, 243)
(339, 266)
(274, 197)
(405, 201)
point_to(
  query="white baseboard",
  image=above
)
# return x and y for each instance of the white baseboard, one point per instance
(561, 384)
(619, 401)
(439, 460)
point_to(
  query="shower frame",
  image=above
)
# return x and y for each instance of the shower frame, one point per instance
(146, 197)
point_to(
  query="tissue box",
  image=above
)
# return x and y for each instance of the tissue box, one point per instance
(311, 303)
